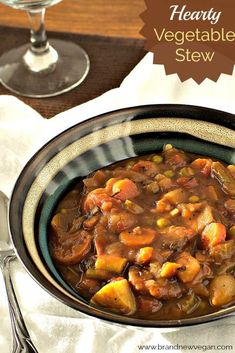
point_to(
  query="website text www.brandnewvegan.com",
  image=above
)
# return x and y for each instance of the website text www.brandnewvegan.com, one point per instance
(178, 347)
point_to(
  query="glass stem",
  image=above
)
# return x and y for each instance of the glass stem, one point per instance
(38, 36)
(40, 56)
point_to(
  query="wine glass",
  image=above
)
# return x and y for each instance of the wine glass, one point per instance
(42, 69)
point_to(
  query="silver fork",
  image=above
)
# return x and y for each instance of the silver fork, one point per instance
(21, 341)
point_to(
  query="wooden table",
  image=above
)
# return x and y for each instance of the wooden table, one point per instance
(107, 30)
(118, 18)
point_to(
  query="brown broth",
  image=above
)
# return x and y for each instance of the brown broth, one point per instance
(173, 206)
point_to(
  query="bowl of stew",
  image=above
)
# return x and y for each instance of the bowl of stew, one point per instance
(130, 216)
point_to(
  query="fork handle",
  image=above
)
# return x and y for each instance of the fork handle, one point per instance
(20, 335)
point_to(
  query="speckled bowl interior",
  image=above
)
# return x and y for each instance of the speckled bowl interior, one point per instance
(94, 144)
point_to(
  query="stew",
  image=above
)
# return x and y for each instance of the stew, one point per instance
(152, 237)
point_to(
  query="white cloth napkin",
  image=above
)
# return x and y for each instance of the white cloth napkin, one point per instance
(53, 326)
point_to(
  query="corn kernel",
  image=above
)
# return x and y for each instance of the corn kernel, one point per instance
(169, 173)
(194, 198)
(167, 147)
(231, 232)
(157, 159)
(186, 171)
(162, 222)
(174, 212)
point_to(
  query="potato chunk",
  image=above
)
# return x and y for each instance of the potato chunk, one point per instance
(110, 263)
(176, 196)
(223, 251)
(202, 219)
(116, 296)
(222, 290)
(169, 269)
(191, 267)
(213, 234)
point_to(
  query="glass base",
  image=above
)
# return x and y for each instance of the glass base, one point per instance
(66, 73)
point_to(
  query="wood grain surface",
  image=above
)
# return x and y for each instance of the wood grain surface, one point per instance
(111, 58)
(107, 29)
(117, 18)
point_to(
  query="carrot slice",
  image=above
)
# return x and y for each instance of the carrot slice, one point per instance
(202, 164)
(146, 167)
(125, 189)
(138, 237)
(96, 198)
(213, 234)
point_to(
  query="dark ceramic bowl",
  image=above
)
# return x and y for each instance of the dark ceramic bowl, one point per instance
(94, 144)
